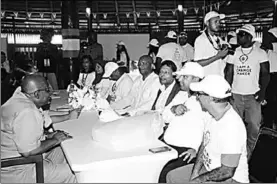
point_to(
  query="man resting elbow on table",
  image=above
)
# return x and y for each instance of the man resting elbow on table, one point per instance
(22, 134)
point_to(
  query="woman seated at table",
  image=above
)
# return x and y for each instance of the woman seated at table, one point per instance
(170, 87)
(87, 74)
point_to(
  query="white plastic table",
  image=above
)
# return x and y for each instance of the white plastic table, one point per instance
(93, 162)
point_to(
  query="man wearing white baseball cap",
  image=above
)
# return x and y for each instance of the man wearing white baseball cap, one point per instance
(222, 155)
(184, 119)
(248, 73)
(170, 51)
(189, 50)
(210, 49)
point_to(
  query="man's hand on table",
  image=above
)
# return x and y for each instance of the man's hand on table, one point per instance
(74, 114)
(61, 136)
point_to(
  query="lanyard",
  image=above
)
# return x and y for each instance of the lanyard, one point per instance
(210, 39)
(84, 79)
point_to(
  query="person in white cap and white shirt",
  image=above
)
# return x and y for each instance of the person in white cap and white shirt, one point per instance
(248, 73)
(186, 126)
(189, 50)
(105, 85)
(122, 56)
(143, 92)
(222, 155)
(210, 49)
(153, 47)
(122, 86)
(170, 51)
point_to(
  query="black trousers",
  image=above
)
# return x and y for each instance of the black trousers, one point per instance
(173, 164)
(269, 111)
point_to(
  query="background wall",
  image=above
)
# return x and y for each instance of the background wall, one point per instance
(136, 44)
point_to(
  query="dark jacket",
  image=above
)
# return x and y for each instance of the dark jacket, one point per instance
(176, 88)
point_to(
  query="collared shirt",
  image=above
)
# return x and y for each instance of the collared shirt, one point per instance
(180, 98)
(160, 104)
(21, 126)
(86, 79)
(187, 130)
(141, 96)
(122, 87)
(203, 49)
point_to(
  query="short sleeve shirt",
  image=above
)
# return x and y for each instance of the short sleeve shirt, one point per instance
(226, 136)
(247, 69)
(21, 126)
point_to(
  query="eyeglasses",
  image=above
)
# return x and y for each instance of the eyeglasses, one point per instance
(47, 90)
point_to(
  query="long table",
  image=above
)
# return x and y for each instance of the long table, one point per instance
(93, 162)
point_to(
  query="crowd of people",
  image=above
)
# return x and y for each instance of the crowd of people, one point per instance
(210, 97)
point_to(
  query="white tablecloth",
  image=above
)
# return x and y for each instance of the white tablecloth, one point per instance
(93, 162)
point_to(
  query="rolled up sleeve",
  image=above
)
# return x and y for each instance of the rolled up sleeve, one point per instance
(27, 131)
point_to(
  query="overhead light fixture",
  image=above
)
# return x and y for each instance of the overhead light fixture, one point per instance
(88, 12)
(180, 7)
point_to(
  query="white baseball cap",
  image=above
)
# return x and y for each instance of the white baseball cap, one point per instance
(249, 28)
(214, 86)
(171, 34)
(233, 41)
(191, 68)
(154, 42)
(213, 14)
(273, 31)
(232, 33)
(120, 43)
(110, 67)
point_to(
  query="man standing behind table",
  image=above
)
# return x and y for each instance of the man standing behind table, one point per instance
(222, 155)
(208, 47)
(22, 122)
(172, 51)
(94, 49)
(143, 92)
(248, 73)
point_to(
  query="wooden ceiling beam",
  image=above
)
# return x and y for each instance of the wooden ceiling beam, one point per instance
(117, 13)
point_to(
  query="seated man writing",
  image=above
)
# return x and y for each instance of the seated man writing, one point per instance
(22, 134)
(143, 92)
(222, 155)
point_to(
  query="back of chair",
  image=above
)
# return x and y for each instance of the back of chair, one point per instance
(37, 159)
(263, 161)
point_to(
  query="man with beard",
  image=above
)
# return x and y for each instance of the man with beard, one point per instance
(22, 134)
(222, 155)
(210, 50)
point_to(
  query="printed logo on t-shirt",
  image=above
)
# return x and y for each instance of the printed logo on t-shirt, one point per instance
(243, 70)
(177, 55)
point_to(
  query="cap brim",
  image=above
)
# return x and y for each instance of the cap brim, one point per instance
(222, 16)
(196, 86)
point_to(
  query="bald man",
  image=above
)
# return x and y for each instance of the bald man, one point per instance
(22, 134)
(143, 92)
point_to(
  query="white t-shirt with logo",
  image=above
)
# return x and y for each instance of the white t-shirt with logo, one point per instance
(247, 71)
(174, 52)
(226, 136)
(189, 50)
(203, 49)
